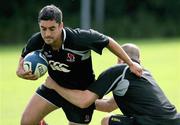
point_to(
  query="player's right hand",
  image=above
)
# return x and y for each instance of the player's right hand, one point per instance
(136, 69)
(25, 75)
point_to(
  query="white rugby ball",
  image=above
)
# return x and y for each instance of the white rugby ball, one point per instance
(36, 62)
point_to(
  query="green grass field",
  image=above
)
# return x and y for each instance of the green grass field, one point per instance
(160, 56)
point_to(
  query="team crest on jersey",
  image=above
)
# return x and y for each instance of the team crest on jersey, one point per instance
(70, 57)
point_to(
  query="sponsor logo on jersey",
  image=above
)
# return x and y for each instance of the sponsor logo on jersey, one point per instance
(59, 66)
(70, 57)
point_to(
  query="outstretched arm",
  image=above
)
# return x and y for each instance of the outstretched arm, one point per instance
(115, 48)
(106, 105)
(80, 98)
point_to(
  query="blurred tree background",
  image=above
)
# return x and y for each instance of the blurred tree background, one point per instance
(122, 19)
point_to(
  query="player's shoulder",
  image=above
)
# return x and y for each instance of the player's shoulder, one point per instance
(118, 68)
(36, 37)
(73, 40)
(146, 72)
(81, 33)
(81, 39)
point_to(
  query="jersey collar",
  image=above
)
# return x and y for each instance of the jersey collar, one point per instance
(64, 37)
(64, 34)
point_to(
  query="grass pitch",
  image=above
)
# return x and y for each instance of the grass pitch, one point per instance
(160, 56)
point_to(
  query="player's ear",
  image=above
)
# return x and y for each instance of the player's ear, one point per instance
(61, 25)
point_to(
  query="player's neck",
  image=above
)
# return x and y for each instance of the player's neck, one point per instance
(57, 44)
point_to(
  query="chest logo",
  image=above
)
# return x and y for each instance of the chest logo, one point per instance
(59, 66)
(70, 57)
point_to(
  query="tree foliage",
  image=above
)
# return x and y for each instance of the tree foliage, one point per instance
(123, 18)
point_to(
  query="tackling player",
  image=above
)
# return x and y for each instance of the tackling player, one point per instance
(68, 52)
(140, 99)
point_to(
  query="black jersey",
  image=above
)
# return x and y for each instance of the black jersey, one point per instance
(71, 66)
(140, 98)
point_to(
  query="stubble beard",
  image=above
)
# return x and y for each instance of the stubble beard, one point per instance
(49, 41)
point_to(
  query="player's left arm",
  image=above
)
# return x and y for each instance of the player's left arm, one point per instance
(80, 98)
(116, 49)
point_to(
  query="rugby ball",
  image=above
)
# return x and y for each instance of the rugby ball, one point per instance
(35, 62)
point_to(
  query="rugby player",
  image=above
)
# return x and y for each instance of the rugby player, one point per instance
(140, 99)
(68, 52)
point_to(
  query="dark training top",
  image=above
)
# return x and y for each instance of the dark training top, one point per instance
(137, 97)
(71, 66)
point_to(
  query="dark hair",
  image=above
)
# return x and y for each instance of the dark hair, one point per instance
(50, 12)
